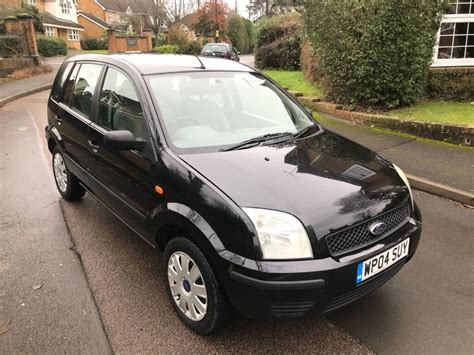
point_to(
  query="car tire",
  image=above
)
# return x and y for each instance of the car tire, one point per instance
(68, 185)
(216, 305)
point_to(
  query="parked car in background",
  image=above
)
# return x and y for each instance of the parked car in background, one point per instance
(220, 50)
(254, 205)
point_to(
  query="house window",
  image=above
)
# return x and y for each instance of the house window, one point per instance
(73, 35)
(30, 2)
(456, 40)
(49, 31)
(65, 7)
(111, 17)
(461, 7)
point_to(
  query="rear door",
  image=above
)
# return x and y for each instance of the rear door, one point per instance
(74, 116)
(124, 179)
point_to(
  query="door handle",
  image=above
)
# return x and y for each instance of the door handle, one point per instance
(94, 145)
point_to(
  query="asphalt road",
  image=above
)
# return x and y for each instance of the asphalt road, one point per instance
(426, 308)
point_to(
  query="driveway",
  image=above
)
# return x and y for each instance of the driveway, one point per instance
(248, 59)
(426, 308)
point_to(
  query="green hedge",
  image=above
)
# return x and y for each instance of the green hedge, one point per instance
(184, 48)
(278, 42)
(448, 84)
(10, 46)
(50, 47)
(373, 52)
(241, 33)
(166, 49)
(94, 44)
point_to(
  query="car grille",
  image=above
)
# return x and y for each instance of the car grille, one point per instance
(358, 236)
(364, 288)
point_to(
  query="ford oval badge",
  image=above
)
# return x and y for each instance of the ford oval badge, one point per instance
(377, 228)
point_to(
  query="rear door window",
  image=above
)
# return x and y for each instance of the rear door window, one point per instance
(84, 88)
(60, 82)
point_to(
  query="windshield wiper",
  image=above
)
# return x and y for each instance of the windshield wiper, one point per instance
(303, 131)
(252, 142)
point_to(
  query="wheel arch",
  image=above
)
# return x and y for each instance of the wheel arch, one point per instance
(176, 219)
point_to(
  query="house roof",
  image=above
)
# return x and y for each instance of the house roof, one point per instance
(120, 5)
(189, 20)
(93, 18)
(50, 20)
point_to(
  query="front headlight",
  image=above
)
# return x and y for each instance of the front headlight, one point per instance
(405, 180)
(281, 235)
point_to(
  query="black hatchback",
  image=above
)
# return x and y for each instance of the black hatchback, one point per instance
(255, 206)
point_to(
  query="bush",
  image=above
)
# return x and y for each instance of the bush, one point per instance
(50, 47)
(450, 84)
(177, 36)
(193, 47)
(278, 42)
(373, 52)
(10, 46)
(94, 44)
(166, 49)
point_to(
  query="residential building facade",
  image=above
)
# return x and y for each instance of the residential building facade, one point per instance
(455, 44)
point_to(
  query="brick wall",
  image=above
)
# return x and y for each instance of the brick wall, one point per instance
(129, 44)
(91, 29)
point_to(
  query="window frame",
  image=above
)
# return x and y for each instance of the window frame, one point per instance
(453, 18)
(59, 98)
(73, 35)
(68, 104)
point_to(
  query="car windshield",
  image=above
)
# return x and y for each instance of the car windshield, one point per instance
(216, 110)
(214, 48)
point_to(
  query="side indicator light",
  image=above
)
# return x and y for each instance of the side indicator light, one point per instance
(159, 190)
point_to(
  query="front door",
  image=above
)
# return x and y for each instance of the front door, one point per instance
(124, 178)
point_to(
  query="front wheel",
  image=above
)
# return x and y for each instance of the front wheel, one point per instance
(193, 288)
(67, 184)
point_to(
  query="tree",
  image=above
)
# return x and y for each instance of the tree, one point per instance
(177, 9)
(241, 32)
(212, 17)
(156, 14)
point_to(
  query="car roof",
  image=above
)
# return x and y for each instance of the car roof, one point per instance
(150, 63)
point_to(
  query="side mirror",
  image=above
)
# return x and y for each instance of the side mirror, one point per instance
(238, 52)
(123, 140)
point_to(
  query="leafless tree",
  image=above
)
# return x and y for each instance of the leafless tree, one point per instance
(155, 13)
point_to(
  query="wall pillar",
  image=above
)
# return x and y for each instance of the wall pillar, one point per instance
(148, 34)
(23, 27)
(111, 38)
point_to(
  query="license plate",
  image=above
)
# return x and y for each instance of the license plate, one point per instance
(382, 261)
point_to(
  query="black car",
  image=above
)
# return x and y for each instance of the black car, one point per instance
(220, 50)
(255, 206)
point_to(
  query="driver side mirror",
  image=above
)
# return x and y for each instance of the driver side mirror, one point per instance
(123, 140)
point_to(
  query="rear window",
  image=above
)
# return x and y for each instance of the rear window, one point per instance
(58, 88)
(215, 48)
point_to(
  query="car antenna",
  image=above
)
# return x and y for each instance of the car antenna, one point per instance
(202, 64)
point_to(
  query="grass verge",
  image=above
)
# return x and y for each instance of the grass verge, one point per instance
(438, 112)
(295, 81)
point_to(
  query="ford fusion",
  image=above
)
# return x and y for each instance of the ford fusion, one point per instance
(255, 206)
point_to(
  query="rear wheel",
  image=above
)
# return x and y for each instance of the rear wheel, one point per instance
(193, 288)
(67, 184)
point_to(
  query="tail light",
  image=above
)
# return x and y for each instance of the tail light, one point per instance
(227, 55)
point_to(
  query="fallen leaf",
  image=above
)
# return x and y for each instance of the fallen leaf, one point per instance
(37, 287)
(6, 327)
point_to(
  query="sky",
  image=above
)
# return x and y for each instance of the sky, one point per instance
(241, 4)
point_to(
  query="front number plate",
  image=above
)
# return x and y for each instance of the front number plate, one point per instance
(379, 263)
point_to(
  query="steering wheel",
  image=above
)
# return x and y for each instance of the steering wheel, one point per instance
(180, 122)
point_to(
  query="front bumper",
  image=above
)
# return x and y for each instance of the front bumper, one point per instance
(295, 288)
